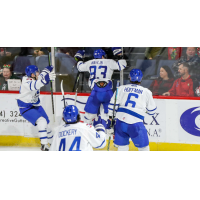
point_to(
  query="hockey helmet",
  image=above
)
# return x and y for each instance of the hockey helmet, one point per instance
(99, 53)
(31, 69)
(70, 114)
(136, 75)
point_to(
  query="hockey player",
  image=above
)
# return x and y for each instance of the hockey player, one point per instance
(29, 101)
(101, 70)
(132, 102)
(77, 136)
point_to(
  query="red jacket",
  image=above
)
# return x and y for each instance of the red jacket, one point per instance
(182, 87)
(159, 86)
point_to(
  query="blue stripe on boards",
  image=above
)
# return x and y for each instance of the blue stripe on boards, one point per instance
(150, 114)
(100, 130)
(131, 113)
(73, 100)
(152, 110)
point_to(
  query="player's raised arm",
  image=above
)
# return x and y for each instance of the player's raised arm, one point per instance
(79, 57)
(34, 80)
(120, 63)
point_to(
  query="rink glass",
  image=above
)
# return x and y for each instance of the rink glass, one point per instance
(148, 59)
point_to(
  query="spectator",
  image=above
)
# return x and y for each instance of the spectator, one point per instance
(152, 52)
(7, 74)
(192, 60)
(164, 82)
(184, 85)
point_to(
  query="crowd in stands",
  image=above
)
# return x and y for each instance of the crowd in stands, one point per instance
(168, 71)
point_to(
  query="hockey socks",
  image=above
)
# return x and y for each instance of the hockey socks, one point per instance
(42, 130)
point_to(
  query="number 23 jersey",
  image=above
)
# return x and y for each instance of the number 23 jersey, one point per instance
(132, 102)
(100, 69)
(77, 137)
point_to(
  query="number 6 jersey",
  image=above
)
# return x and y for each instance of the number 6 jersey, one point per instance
(77, 137)
(100, 69)
(131, 103)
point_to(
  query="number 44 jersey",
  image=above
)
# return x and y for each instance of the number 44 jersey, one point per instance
(100, 69)
(131, 103)
(77, 137)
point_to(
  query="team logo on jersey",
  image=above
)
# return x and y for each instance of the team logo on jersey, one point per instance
(123, 118)
(29, 79)
(89, 125)
(189, 120)
(101, 84)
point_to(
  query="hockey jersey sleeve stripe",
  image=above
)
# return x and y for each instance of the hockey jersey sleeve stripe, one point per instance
(43, 138)
(30, 86)
(35, 85)
(100, 130)
(43, 131)
(119, 66)
(100, 145)
(131, 113)
(50, 137)
(151, 110)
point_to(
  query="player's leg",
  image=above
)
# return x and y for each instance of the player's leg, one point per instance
(121, 138)
(42, 132)
(43, 124)
(49, 134)
(91, 107)
(141, 141)
(104, 98)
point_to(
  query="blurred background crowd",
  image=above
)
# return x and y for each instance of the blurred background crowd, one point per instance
(169, 71)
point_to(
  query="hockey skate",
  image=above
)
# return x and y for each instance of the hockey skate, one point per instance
(44, 147)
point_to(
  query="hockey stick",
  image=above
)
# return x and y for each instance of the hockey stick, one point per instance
(122, 74)
(113, 114)
(51, 89)
(61, 87)
(75, 97)
(76, 81)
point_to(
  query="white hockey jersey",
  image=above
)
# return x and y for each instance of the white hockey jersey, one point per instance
(29, 92)
(100, 69)
(131, 103)
(77, 137)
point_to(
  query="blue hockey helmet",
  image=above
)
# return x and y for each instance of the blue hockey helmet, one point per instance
(136, 75)
(31, 69)
(99, 53)
(70, 114)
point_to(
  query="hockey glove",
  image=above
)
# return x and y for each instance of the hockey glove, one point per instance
(48, 69)
(100, 127)
(112, 122)
(52, 76)
(116, 50)
(44, 78)
(79, 55)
